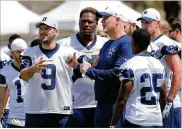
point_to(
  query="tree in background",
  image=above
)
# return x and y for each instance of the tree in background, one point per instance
(171, 8)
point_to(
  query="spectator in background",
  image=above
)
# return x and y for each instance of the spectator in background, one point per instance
(131, 25)
(175, 32)
(35, 42)
(165, 27)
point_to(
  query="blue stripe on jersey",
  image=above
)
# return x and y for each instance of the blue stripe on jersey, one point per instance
(112, 55)
(126, 73)
(157, 37)
(2, 79)
(51, 52)
(4, 63)
(156, 54)
(167, 50)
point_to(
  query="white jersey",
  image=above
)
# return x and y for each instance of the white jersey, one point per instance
(4, 59)
(161, 44)
(143, 106)
(83, 88)
(50, 90)
(17, 90)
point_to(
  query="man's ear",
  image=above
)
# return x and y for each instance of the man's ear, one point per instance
(56, 32)
(178, 31)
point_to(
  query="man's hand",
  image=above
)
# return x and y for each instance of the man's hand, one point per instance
(84, 67)
(72, 60)
(39, 65)
(167, 108)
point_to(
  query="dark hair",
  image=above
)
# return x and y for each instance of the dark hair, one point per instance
(90, 10)
(35, 42)
(175, 23)
(13, 37)
(141, 38)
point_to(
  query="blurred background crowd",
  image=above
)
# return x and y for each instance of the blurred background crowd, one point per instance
(20, 16)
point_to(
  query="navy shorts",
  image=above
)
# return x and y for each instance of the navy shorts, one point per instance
(83, 117)
(46, 120)
(103, 116)
(174, 118)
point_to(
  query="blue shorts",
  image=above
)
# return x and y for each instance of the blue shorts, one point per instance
(127, 124)
(46, 120)
(82, 118)
(13, 126)
(4, 118)
(103, 115)
(174, 118)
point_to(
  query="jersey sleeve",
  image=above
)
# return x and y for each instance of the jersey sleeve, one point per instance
(26, 60)
(166, 47)
(2, 81)
(64, 42)
(126, 71)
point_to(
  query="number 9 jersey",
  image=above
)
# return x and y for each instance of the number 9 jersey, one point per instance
(9, 77)
(143, 106)
(50, 90)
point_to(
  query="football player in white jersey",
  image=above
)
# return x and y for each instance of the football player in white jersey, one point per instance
(3, 55)
(9, 79)
(4, 60)
(48, 100)
(87, 42)
(141, 85)
(167, 50)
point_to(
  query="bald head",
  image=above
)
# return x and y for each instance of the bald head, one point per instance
(165, 27)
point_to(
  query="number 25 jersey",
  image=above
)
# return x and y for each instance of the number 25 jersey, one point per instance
(143, 106)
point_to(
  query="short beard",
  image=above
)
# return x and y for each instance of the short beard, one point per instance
(47, 41)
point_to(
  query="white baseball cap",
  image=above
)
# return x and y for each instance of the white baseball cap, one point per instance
(113, 11)
(18, 44)
(150, 15)
(138, 23)
(48, 21)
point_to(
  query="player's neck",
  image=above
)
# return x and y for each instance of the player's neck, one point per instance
(49, 46)
(86, 39)
(155, 34)
(16, 64)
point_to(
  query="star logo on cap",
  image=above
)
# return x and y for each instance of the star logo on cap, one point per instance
(145, 12)
(44, 19)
